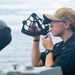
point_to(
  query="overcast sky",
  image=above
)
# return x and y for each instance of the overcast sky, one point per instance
(13, 12)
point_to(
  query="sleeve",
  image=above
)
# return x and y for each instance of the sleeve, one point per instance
(43, 57)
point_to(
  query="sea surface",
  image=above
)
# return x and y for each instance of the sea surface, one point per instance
(19, 50)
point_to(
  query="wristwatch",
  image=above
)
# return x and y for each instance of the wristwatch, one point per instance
(48, 51)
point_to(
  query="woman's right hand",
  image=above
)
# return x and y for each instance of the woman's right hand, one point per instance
(47, 42)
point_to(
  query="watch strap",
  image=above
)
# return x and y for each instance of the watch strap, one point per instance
(36, 40)
(48, 51)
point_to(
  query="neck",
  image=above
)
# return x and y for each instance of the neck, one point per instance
(66, 35)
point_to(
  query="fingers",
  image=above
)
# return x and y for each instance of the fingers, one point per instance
(33, 27)
(32, 24)
(43, 38)
(30, 27)
(47, 37)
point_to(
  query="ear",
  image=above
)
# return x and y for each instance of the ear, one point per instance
(67, 24)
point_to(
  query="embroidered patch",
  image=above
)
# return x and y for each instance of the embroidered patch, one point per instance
(58, 10)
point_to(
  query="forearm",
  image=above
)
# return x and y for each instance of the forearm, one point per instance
(35, 54)
(49, 60)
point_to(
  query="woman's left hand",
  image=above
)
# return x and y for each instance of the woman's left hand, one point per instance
(47, 42)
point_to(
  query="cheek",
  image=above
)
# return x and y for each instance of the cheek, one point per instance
(58, 30)
(61, 26)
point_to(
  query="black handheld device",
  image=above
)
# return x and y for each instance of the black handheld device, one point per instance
(41, 24)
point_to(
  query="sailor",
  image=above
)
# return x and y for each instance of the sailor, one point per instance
(62, 54)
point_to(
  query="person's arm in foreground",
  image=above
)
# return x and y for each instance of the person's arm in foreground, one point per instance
(35, 54)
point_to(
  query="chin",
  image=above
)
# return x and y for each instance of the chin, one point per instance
(55, 35)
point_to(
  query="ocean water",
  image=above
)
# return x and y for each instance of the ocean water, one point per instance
(19, 50)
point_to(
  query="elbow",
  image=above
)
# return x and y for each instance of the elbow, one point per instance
(35, 64)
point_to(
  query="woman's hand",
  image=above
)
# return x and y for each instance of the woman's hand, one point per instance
(47, 42)
(33, 28)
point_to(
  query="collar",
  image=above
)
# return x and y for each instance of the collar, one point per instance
(70, 39)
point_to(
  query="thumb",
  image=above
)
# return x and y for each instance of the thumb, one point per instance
(49, 36)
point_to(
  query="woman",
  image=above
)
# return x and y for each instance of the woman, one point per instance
(62, 54)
